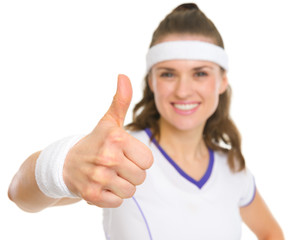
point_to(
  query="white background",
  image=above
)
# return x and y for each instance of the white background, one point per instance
(59, 62)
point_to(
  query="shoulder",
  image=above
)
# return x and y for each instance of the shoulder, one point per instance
(242, 178)
(242, 181)
(221, 159)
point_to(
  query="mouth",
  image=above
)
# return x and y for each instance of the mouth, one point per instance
(185, 108)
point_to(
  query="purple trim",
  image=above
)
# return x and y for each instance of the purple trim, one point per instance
(144, 218)
(199, 183)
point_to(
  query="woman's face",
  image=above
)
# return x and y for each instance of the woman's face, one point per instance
(186, 91)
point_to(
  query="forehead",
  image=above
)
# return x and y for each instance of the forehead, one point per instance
(185, 37)
(184, 65)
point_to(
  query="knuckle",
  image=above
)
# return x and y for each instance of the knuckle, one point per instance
(108, 157)
(90, 194)
(102, 176)
(116, 136)
(95, 173)
(107, 160)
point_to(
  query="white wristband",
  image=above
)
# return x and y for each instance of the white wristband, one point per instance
(49, 168)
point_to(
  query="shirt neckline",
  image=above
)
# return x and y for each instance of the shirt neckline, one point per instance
(200, 183)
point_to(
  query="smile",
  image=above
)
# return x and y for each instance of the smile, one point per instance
(186, 107)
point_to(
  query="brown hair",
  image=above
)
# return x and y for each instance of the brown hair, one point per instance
(220, 133)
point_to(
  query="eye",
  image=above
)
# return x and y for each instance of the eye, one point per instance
(167, 75)
(201, 74)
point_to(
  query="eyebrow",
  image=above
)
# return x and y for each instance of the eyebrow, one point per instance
(166, 69)
(200, 68)
(194, 69)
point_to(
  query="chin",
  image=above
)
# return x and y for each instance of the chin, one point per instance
(184, 126)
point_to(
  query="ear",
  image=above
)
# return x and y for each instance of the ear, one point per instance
(224, 83)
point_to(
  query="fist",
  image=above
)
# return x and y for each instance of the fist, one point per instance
(105, 167)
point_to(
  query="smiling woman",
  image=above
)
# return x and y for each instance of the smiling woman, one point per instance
(173, 40)
(177, 171)
(186, 92)
(185, 109)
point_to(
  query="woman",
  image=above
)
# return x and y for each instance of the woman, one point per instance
(198, 186)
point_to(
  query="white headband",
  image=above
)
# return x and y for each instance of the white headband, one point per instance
(188, 50)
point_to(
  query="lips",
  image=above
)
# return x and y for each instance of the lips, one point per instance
(185, 108)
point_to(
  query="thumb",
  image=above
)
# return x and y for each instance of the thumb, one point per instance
(121, 101)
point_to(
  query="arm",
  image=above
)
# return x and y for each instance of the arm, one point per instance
(103, 168)
(25, 192)
(260, 220)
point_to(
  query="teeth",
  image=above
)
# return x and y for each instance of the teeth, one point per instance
(186, 106)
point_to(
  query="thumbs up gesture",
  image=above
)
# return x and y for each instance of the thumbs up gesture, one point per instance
(106, 166)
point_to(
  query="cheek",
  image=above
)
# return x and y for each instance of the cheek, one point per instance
(162, 90)
(209, 88)
(162, 95)
(210, 94)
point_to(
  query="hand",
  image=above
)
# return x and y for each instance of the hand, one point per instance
(106, 166)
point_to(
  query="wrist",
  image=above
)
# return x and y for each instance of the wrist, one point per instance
(49, 168)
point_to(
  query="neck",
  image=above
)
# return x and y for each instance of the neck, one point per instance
(187, 145)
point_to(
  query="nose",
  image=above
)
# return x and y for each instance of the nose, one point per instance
(184, 87)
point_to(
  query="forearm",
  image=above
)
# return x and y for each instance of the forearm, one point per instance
(25, 192)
